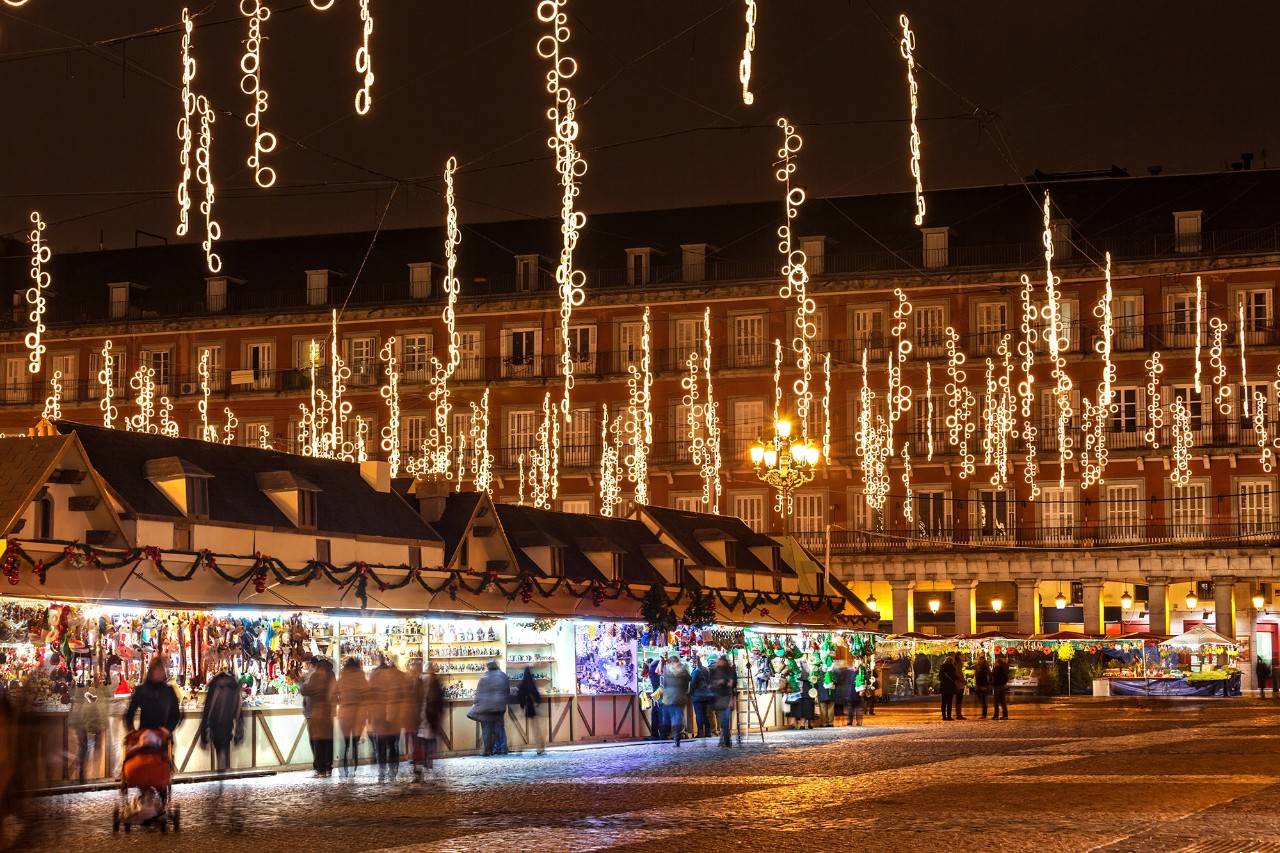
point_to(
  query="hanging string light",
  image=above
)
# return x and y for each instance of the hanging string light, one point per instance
(748, 47)
(143, 382)
(1155, 413)
(203, 371)
(310, 425)
(229, 427)
(871, 437)
(899, 395)
(570, 167)
(712, 460)
(264, 437)
(1222, 395)
(168, 426)
(338, 409)
(639, 421)
(53, 403)
(1095, 417)
(264, 142)
(928, 401)
(520, 467)
(960, 426)
(795, 277)
(106, 379)
(777, 378)
(1182, 439)
(610, 466)
(40, 255)
(907, 47)
(439, 445)
(908, 511)
(364, 58)
(826, 408)
(390, 392)
(204, 174)
(1266, 456)
(481, 457)
(321, 5)
(1244, 369)
(692, 412)
(184, 126)
(542, 486)
(1199, 316)
(1059, 337)
(462, 462)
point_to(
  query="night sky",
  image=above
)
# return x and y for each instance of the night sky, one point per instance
(1084, 85)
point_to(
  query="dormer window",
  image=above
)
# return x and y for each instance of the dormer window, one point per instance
(815, 254)
(295, 496)
(1060, 230)
(120, 293)
(937, 251)
(693, 261)
(1187, 231)
(526, 273)
(421, 278)
(317, 287)
(639, 265)
(184, 484)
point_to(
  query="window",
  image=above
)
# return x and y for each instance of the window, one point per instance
(522, 428)
(258, 358)
(251, 432)
(688, 338)
(65, 363)
(748, 340)
(415, 357)
(862, 516)
(470, 364)
(920, 424)
(1256, 512)
(413, 431)
(578, 506)
(815, 253)
(1122, 506)
(1060, 231)
(526, 272)
(119, 295)
(936, 252)
(1127, 320)
(43, 507)
(1057, 513)
(17, 384)
(693, 260)
(1188, 511)
(989, 514)
(993, 322)
(638, 266)
(1124, 417)
(930, 329)
(215, 294)
(420, 276)
(322, 551)
(362, 359)
(1181, 331)
(579, 438)
(1068, 325)
(932, 515)
(1193, 403)
(629, 344)
(198, 497)
(868, 331)
(160, 361)
(1251, 396)
(748, 424)
(688, 503)
(582, 340)
(1186, 231)
(521, 352)
(307, 510)
(810, 512)
(217, 374)
(750, 508)
(1257, 315)
(317, 287)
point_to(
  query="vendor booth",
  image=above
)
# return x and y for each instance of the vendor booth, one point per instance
(1197, 663)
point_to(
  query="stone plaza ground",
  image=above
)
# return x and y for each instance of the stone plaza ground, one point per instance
(1102, 775)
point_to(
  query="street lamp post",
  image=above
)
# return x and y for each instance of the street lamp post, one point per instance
(786, 463)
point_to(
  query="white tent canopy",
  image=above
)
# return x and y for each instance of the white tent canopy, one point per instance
(1198, 637)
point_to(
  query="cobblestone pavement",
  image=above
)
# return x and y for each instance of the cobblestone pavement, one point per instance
(1088, 775)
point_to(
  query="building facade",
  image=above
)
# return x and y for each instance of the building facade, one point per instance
(973, 538)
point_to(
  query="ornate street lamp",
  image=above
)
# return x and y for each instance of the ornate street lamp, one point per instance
(1126, 600)
(997, 604)
(785, 463)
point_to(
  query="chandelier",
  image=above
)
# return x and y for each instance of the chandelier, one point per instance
(785, 463)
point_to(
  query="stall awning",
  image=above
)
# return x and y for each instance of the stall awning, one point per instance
(1198, 637)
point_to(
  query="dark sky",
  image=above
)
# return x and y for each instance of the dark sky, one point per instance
(1083, 85)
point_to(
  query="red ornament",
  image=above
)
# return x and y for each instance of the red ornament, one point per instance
(10, 568)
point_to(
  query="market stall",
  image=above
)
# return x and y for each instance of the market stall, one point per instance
(1197, 663)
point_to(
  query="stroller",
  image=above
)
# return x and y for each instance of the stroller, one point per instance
(148, 766)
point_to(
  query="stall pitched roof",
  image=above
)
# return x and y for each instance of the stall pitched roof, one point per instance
(690, 529)
(27, 463)
(235, 496)
(577, 535)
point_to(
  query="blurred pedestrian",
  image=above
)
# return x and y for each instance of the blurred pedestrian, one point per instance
(961, 684)
(90, 721)
(947, 675)
(982, 682)
(383, 702)
(700, 695)
(429, 722)
(803, 708)
(489, 707)
(675, 695)
(1263, 672)
(154, 702)
(1000, 687)
(352, 687)
(851, 696)
(920, 669)
(318, 694)
(220, 721)
(529, 699)
(876, 687)
(724, 686)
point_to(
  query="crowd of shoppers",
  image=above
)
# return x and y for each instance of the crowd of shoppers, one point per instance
(693, 701)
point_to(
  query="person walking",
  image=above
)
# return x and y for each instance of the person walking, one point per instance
(826, 700)
(489, 707)
(947, 685)
(429, 723)
(384, 713)
(724, 686)
(851, 696)
(920, 669)
(317, 707)
(700, 695)
(220, 720)
(675, 694)
(1263, 672)
(352, 687)
(529, 699)
(89, 719)
(803, 708)
(1000, 687)
(961, 684)
(154, 702)
(657, 713)
(982, 682)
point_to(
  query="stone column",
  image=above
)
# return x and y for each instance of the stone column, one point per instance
(1028, 606)
(904, 608)
(965, 597)
(1247, 626)
(1094, 618)
(1224, 606)
(1158, 604)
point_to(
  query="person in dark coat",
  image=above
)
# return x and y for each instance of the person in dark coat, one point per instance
(1263, 672)
(675, 695)
(154, 702)
(803, 707)
(220, 720)
(700, 695)
(961, 684)
(947, 685)
(530, 698)
(982, 682)
(723, 684)
(318, 696)
(489, 707)
(1000, 687)
(851, 696)
(920, 669)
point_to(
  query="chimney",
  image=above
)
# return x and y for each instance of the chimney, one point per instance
(432, 495)
(377, 474)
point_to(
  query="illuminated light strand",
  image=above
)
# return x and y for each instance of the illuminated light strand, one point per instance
(826, 408)
(481, 456)
(203, 371)
(204, 174)
(570, 167)
(1057, 339)
(693, 415)
(1266, 455)
(390, 392)
(610, 464)
(748, 47)
(1088, 462)
(1027, 347)
(439, 439)
(520, 467)
(106, 378)
(1106, 395)
(1244, 369)
(639, 420)
(1180, 474)
(53, 403)
(871, 435)
(462, 462)
(928, 384)
(264, 437)
(362, 439)
(229, 428)
(264, 142)
(364, 58)
(184, 126)
(168, 426)
(1222, 390)
(321, 6)
(960, 426)
(712, 487)
(40, 255)
(777, 379)
(908, 511)
(143, 382)
(309, 425)
(1005, 416)
(899, 396)
(542, 482)
(795, 276)
(1199, 313)
(1155, 414)
(907, 47)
